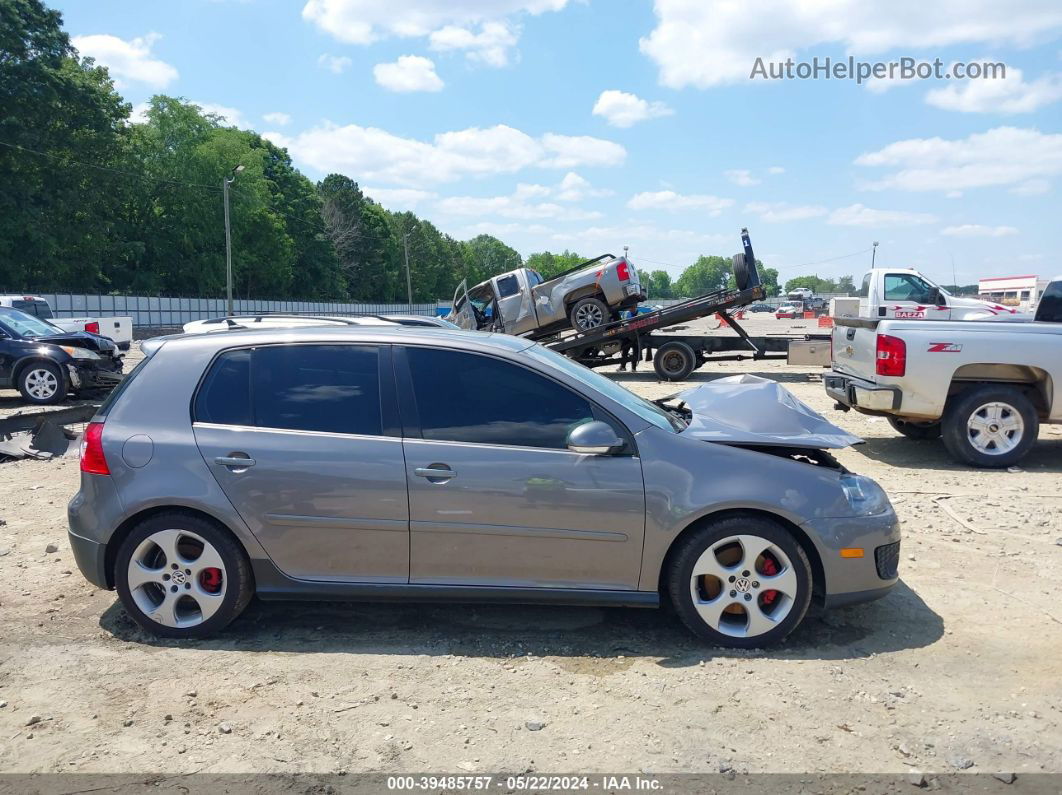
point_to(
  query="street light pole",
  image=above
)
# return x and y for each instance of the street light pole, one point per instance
(409, 282)
(873, 254)
(225, 182)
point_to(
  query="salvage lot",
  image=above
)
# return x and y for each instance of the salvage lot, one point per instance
(958, 669)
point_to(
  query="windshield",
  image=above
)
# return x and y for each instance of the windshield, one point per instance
(26, 325)
(643, 408)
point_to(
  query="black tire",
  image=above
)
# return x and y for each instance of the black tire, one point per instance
(679, 576)
(589, 313)
(959, 437)
(916, 430)
(674, 361)
(239, 580)
(29, 380)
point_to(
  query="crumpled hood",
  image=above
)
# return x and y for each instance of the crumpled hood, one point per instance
(80, 339)
(747, 409)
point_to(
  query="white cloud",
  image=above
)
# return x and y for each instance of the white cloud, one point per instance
(621, 109)
(336, 64)
(1000, 156)
(139, 113)
(229, 117)
(705, 43)
(278, 118)
(976, 230)
(677, 202)
(372, 154)
(773, 212)
(742, 177)
(515, 206)
(860, 215)
(575, 188)
(1032, 187)
(1007, 95)
(400, 198)
(127, 61)
(408, 73)
(490, 46)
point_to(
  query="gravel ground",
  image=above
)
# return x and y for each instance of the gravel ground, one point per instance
(959, 669)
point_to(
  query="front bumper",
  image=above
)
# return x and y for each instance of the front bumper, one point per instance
(104, 374)
(848, 580)
(862, 395)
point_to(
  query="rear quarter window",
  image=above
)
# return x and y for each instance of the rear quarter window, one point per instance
(224, 397)
(1050, 308)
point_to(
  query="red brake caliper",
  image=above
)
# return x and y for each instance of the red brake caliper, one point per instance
(210, 580)
(770, 568)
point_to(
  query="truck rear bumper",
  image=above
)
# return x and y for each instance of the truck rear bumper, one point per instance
(862, 395)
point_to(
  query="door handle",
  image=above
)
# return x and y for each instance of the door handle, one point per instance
(431, 473)
(236, 462)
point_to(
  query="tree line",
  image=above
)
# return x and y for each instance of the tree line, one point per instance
(93, 202)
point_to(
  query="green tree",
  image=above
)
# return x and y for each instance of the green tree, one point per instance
(814, 283)
(59, 115)
(484, 256)
(549, 264)
(846, 284)
(657, 283)
(769, 277)
(708, 273)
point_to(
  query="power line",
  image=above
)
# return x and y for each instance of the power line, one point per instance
(823, 261)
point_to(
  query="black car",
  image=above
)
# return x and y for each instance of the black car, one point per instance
(761, 308)
(45, 363)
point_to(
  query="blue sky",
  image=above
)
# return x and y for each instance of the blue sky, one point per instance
(592, 125)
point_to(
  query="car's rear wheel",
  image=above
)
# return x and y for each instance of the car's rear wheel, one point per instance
(181, 576)
(915, 430)
(588, 313)
(674, 361)
(741, 581)
(990, 426)
(42, 383)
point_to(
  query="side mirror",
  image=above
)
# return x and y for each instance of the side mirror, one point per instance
(594, 438)
(937, 296)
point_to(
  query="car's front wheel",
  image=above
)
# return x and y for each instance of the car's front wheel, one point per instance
(740, 581)
(42, 383)
(181, 576)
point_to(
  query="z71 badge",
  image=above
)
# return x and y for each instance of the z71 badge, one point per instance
(944, 347)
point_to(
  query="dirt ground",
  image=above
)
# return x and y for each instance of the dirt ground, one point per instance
(959, 669)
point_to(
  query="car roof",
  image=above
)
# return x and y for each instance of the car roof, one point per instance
(390, 334)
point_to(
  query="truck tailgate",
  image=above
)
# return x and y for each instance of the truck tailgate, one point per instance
(855, 350)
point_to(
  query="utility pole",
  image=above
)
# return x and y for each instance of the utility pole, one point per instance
(225, 182)
(409, 282)
(873, 254)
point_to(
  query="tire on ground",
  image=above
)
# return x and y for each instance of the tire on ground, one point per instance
(588, 313)
(915, 430)
(674, 361)
(679, 577)
(958, 436)
(31, 375)
(239, 578)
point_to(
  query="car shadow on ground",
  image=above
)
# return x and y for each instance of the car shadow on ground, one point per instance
(616, 636)
(898, 451)
(646, 374)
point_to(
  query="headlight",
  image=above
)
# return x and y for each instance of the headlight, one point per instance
(864, 495)
(79, 353)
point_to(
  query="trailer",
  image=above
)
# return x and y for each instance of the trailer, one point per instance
(675, 356)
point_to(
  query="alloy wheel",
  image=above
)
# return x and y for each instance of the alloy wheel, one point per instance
(743, 586)
(41, 383)
(589, 316)
(177, 578)
(995, 428)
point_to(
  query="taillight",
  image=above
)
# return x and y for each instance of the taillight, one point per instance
(623, 270)
(892, 355)
(94, 327)
(92, 459)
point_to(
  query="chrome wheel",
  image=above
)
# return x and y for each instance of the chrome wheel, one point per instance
(995, 428)
(177, 578)
(589, 316)
(743, 586)
(41, 383)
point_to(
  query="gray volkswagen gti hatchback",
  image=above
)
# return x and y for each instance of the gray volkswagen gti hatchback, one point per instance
(427, 464)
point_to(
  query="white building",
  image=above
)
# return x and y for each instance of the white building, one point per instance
(1022, 292)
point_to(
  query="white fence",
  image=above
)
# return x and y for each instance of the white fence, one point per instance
(163, 311)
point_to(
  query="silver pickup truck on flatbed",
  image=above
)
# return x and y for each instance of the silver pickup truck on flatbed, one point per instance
(983, 386)
(522, 303)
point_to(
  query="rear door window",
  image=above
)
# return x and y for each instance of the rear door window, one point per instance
(225, 395)
(325, 388)
(462, 397)
(508, 285)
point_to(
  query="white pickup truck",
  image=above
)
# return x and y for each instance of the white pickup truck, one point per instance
(906, 294)
(984, 387)
(118, 329)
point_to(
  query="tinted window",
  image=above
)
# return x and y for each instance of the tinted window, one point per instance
(1050, 308)
(329, 388)
(225, 396)
(35, 308)
(508, 285)
(462, 397)
(864, 288)
(904, 287)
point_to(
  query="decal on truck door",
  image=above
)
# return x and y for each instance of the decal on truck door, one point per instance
(944, 347)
